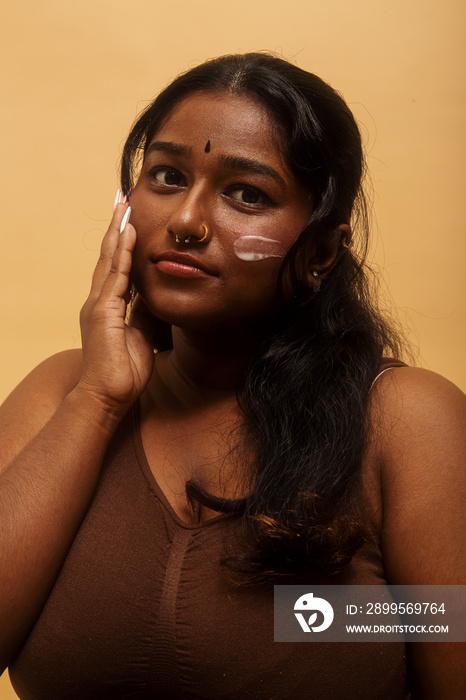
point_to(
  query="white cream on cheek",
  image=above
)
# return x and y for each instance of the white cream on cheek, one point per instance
(252, 248)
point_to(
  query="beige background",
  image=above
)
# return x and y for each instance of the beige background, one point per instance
(75, 74)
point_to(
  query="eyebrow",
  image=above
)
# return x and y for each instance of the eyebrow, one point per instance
(237, 163)
(232, 162)
(176, 149)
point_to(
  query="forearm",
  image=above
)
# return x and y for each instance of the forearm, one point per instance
(44, 495)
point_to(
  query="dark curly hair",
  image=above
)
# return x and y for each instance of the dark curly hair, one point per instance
(305, 394)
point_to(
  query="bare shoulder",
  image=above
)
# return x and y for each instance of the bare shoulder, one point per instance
(415, 396)
(419, 421)
(29, 407)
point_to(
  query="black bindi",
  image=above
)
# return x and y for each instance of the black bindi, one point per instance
(207, 147)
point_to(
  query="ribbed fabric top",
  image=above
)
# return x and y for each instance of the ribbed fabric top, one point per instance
(143, 608)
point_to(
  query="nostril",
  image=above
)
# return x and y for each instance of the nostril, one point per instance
(201, 237)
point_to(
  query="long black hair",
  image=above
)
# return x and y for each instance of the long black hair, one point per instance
(306, 391)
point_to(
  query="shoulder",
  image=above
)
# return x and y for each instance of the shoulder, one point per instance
(419, 427)
(29, 407)
(417, 412)
(418, 435)
(415, 396)
(56, 375)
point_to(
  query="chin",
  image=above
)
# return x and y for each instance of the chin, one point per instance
(199, 312)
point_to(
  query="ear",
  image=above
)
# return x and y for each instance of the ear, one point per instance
(327, 254)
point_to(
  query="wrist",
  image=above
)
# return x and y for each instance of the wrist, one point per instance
(96, 409)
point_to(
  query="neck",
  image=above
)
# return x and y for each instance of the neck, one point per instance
(202, 369)
(215, 362)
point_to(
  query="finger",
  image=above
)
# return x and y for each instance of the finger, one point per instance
(111, 300)
(108, 248)
(116, 283)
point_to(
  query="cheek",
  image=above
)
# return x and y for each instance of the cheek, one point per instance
(252, 248)
(146, 218)
(151, 233)
(264, 238)
(256, 282)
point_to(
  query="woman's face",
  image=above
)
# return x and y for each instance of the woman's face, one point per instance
(215, 162)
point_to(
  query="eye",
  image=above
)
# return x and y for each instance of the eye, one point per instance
(168, 177)
(249, 196)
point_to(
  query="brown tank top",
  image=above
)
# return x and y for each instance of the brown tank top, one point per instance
(143, 608)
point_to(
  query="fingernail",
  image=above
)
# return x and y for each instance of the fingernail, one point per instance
(125, 219)
(117, 199)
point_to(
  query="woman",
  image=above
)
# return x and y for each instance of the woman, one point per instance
(150, 501)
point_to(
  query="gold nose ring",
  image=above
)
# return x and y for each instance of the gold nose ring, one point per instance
(206, 232)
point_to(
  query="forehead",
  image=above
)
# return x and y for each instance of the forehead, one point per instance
(229, 122)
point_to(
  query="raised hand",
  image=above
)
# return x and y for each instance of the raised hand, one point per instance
(117, 357)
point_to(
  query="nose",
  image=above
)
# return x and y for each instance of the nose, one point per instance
(187, 222)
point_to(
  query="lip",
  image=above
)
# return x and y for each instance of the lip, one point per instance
(178, 264)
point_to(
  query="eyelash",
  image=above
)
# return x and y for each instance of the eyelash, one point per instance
(161, 169)
(264, 200)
